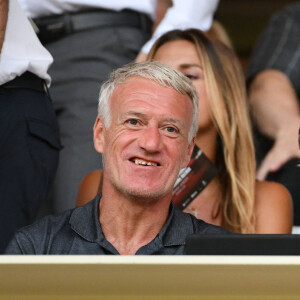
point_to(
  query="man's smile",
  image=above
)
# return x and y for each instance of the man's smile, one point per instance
(139, 161)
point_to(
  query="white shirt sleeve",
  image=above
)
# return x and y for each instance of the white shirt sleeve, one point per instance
(22, 50)
(185, 14)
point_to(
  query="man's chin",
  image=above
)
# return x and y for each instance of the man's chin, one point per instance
(142, 191)
(147, 196)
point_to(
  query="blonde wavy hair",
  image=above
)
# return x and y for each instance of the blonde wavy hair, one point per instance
(226, 93)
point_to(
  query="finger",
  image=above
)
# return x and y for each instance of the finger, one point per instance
(262, 171)
(272, 162)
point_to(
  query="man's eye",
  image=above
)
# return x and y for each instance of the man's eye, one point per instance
(171, 129)
(132, 122)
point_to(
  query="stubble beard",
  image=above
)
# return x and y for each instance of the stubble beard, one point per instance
(140, 195)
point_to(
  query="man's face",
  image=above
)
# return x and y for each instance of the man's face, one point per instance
(147, 141)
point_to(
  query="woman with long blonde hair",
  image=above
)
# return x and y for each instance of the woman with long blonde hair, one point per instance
(233, 199)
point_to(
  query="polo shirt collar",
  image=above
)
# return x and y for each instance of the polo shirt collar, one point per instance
(84, 221)
(177, 227)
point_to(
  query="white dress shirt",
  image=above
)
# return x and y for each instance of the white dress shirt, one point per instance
(185, 14)
(22, 50)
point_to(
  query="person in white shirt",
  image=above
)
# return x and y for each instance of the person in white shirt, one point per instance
(29, 140)
(88, 39)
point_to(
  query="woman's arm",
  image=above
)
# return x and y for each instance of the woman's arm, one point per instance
(275, 108)
(89, 188)
(274, 209)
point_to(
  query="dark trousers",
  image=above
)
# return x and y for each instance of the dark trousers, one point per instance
(29, 149)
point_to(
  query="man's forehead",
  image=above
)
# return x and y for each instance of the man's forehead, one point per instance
(137, 92)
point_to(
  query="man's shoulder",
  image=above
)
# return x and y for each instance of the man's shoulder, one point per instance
(191, 225)
(37, 237)
(202, 227)
(71, 232)
(51, 223)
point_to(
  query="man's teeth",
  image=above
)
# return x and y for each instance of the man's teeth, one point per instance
(144, 163)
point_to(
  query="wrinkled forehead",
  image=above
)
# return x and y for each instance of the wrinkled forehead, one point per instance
(139, 92)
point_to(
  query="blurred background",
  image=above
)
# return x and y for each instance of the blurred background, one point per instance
(244, 20)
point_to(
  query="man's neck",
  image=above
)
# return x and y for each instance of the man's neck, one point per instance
(130, 224)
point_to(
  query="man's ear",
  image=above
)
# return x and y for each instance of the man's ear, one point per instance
(99, 132)
(188, 154)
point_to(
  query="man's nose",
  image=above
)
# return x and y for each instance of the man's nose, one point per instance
(150, 139)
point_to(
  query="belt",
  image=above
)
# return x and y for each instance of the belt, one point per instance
(54, 27)
(27, 80)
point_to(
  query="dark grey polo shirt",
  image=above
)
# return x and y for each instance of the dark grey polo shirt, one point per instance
(78, 231)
